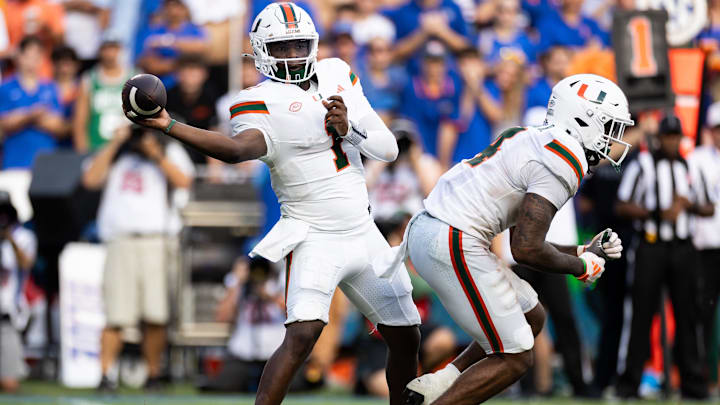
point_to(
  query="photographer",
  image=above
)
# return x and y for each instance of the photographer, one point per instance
(254, 303)
(17, 256)
(400, 186)
(139, 173)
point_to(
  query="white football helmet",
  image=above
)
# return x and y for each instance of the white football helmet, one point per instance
(594, 110)
(283, 22)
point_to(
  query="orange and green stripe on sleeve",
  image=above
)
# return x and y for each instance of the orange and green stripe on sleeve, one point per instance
(353, 78)
(566, 154)
(249, 107)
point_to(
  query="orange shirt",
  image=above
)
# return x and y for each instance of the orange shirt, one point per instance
(593, 60)
(36, 17)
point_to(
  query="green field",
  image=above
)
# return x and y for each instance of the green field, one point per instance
(39, 393)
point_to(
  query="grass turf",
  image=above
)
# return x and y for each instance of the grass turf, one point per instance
(43, 393)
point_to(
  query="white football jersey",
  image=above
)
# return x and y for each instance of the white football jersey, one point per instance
(481, 196)
(317, 177)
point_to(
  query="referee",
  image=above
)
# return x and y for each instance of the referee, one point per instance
(705, 171)
(657, 193)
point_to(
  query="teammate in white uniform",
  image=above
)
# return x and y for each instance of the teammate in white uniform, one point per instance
(310, 123)
(518, 182)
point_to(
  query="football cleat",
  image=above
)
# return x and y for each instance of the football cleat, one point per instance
(428, 387)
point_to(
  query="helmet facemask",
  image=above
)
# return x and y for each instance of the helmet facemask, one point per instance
(613, 131)
(280, 69)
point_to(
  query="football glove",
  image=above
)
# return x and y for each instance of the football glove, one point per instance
(594, 267)
(606, 244)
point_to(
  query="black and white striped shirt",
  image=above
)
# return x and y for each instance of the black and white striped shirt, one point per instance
(652, 181)
(705, 171)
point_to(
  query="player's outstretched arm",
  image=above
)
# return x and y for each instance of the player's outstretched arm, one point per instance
(528, 245)
(247, 145)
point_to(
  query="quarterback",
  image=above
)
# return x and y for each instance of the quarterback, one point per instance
(518, 182)
(310, 123)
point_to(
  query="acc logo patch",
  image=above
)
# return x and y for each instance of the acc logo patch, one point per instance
(295, 107)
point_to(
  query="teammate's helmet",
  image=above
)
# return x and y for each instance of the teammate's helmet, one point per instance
(594, 110)
(283, 22)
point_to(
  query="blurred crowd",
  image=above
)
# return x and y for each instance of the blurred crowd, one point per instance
(447, 76)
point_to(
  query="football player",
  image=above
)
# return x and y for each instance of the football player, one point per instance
(310, 123)
(518, 182)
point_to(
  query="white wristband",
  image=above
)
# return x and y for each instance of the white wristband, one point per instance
(355, 135)
(580, 250)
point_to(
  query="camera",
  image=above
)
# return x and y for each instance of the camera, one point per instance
(406, 134)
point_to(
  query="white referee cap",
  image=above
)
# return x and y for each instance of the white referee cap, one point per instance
(713, 115)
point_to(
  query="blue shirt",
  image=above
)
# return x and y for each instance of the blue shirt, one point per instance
(554, 31)
(428, 110)
(406, 19)
(537, 10)
(710, 36)
(20, 147)
(477, 134)
(384, 97)
(493, 48)
(538, 94)
(185, 31)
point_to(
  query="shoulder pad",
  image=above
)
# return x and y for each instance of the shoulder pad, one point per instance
(563, 156)
(249, 101)
(338, 70)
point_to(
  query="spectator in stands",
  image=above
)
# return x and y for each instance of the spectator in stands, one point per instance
(85, 21)
(511, 81)
(30, 114)
(216, 21)
(705, 168)
(568, 27)
(430, 99)
(394, 188)
(138, 173)
(192, 99)
(479, 109)
(709, 38)
(4, 36)
(345, 13)
(174, 36)
(98, 111)
(369, 24)
(656, 192)
(419, 21)
(382, 82)
(506, 35)
(44, 19)
(254, 304)
(343, 43)
(67, 66)
(18, 246)
(554, 63)
(324, 49)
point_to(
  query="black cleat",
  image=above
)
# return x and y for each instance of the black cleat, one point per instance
(412, 397)
(107, 386)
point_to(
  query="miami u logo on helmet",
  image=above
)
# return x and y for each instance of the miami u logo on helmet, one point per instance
(600, 98)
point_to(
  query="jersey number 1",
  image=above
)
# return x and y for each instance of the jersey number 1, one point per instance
(341, 159)
(494, 147)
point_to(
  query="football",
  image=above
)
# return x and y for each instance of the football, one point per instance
(143, 96)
